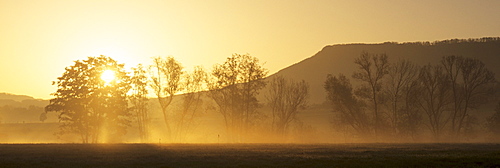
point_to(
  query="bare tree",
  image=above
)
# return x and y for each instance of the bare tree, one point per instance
(372, 69)
(493, 124)
(349, 108)
(166, 82)
(478, 82)
(252, 75)
(402, 77)
(286, 97)
(236, 84)
(435, 97)
(452, 65)
(410, 113)
(192, 85)
(139, 101)
(471, 81)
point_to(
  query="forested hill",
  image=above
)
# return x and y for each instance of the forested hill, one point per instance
(339, 58)
(15, 97)
(21, 108)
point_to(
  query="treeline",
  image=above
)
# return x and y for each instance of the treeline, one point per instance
(98, 99)
(19, 114)
(25, 110)
(458, 41)
(446, 42)
(401, 101)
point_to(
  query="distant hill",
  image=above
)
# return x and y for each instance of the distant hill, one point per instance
(21, 108)
(335, 59)
(15, 97)
(21, 100)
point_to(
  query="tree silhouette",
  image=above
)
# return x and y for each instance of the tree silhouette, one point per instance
(452, 66)
(401, 82)
(43, 117)
(372, 68)
(286, 97)
(471, 82)
(87, 105)
(410, 112)
(192, 85)
(493, 124)
(435, 97)
(166, 82)
(350, 110)
(139, 101)
(234, 88)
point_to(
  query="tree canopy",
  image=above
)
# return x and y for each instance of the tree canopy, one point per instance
(89, 106)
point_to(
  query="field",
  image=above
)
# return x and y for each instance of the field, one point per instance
(250, 155)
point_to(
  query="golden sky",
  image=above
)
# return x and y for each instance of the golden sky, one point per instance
(39, 38)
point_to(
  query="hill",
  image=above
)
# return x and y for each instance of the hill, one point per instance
(21, 109)
(15, 97)
(335, 59)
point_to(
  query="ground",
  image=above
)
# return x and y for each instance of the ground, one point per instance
(249, 155)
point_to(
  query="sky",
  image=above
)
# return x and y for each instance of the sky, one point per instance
(39, 38)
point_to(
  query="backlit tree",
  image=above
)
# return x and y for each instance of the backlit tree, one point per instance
(234, 89)
(139, 101)
(91, 104)
(286, 98)
(166, 82)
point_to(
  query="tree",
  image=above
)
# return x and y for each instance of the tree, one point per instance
(139, 100)
(351, 110)
(234, 88)
(435, 97)
(402, 79)
(477, 84)
(89, 106)
(452, 66)
(286, 98)
(471, 82)
(493, 124)
(166, 81)
(372, 69)
(193, 85)
(410, 113)
(43, 117)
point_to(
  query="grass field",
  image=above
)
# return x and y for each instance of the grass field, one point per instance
(250, 155)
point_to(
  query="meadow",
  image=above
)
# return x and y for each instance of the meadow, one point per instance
(250, 155)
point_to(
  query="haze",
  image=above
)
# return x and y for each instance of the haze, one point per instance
(41, 38)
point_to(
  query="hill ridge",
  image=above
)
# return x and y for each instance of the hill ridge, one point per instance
(339, 58)
(15, 97)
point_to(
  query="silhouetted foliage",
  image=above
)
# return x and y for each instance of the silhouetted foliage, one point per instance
(457, 41)
(402, 93)
(166, 82)
(234, 88)
(88, 106)
(401, 88)
(373, 68)
(139, 101)
(20, 112)
(493, 124)
(286, 98)
(348, 109)
(192, 85)
(43, 116)
(435, 97)
(471, 82)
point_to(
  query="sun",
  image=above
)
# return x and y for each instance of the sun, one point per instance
(108, 76)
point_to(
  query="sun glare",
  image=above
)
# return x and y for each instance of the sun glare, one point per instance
(108, 76)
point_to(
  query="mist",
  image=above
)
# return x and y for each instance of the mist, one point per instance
(410, 101)
(313, 125)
